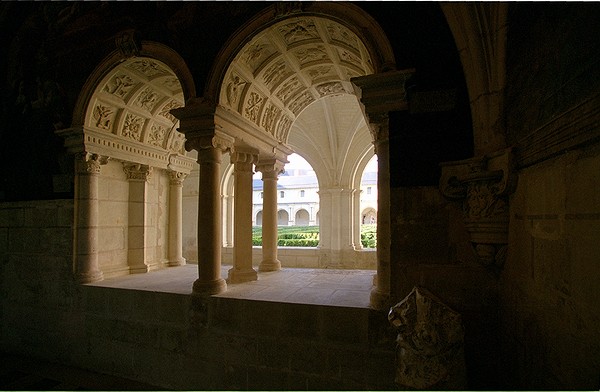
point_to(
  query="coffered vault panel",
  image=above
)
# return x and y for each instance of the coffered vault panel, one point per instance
(129, 111)
(287, 67)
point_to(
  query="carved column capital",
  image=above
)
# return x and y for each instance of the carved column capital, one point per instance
(270, 168)
(482, 185)
(137, 172)
(177, 178)
(240, 156)
(87, 163)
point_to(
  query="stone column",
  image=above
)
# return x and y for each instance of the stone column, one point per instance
(356, 219)
(137, 233)
(380, 94)
(380, 295)
(209, 220)
(175, 219)
(242, 270)
(270, 171)
(87, 169)
(228, 217)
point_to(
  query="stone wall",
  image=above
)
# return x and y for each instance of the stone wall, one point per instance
(158, 338)
(549, 286)
(548, 289)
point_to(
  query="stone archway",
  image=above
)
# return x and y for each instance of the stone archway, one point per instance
(283, 62)
(302, 218)
(129, 154)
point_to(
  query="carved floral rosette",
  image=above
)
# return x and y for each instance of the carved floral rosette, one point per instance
(483, 185)
(430, 343)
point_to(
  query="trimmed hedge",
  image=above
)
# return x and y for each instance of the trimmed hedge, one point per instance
(308, 236)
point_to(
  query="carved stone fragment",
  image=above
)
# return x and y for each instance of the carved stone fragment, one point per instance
(430, 343)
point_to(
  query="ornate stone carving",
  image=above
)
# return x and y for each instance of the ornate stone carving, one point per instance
(253, 107)
(103, 116)
(172, 83)
(177, 143)
(342, 34)
(86, 163)
(119, 85)
(347, 56)
(137, 172)
(302, 101)
(307, 55)
(166, 110)
(288, 88)
(283, 128)
(301, 30)
(331, 88)
(156, 136)
(177, 178)
(272, 112)
(132, 127)
(430, 343)
(285, 8)
(319, 72)
(482, 185)
(234, 88)
(147, 67)
(147, 99)
(128, 43)
(275, 73)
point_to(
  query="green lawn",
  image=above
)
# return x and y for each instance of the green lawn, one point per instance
(308, 236)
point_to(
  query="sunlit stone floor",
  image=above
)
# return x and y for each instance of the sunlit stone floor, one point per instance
(349, 288)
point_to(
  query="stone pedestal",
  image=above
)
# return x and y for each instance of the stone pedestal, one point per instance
(430, 343)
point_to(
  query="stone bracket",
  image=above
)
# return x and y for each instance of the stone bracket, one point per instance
(482, 185)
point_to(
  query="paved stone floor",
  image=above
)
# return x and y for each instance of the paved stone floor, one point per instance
(348, 288)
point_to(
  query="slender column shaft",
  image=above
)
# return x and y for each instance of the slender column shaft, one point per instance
(270, 172)
(209, 224)
(380, 295)
(242, 270)
(86, 218)
(175, 219)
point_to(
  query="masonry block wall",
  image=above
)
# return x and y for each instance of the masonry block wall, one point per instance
(549, 289)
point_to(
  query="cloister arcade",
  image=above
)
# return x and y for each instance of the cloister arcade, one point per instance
(313, 84)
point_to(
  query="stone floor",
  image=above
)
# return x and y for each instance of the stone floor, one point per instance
(348, 288)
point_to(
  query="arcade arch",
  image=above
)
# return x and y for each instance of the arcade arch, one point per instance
(283, 65)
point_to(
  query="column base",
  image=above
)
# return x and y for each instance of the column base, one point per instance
(139, 269)
(89, 277)
(379, 300)
(240, 276)
(176, 263)
(269, 265)
(211, 287)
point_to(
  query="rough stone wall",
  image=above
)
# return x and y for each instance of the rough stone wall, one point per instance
(549, 288)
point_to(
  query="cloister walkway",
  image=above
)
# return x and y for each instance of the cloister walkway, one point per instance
(332, 287)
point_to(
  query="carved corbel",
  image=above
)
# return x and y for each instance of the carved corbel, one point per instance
(483, 185)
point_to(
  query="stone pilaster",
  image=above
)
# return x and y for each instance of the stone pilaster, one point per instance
(176, 218)
(87, 169)
(242, 270)
(270, 170)
(138, 240)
